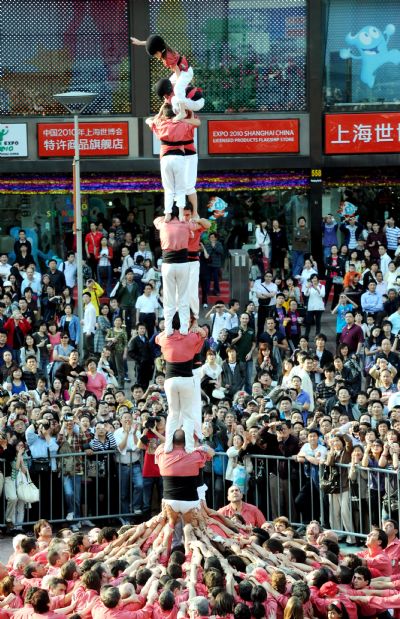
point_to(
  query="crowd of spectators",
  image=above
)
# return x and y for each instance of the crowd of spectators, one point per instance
(305, 426)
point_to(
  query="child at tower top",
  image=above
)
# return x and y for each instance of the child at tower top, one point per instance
(182, 72)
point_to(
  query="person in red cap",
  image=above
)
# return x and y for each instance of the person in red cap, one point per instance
(182, 75)
(173, 136)
(328, 593)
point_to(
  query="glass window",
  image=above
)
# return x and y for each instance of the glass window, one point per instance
(362, 56)
(250, 55)
(234, 215)
(46, 218)
(59, 45)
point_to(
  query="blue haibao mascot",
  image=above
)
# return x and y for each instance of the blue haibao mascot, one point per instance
(371, 44)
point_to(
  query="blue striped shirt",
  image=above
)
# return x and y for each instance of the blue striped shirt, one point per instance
(392, 234)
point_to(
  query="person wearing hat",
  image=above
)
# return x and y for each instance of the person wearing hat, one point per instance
(182, 75)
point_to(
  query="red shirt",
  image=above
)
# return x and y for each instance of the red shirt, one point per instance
(352, 337)
(179, 348)
(168, 131)
(174, 235)
(392, 551)
(150, 468)
(92, 240)
(102, 612)
(250, 513)
(378, 563)
(194, 240)
(171, 59)
(178, 463)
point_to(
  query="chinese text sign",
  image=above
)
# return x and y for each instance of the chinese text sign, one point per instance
(95, 139)
(362, 133)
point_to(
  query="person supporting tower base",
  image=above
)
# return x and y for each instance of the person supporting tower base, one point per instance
(180, 472)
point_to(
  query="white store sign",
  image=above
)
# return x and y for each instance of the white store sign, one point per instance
(13, 140)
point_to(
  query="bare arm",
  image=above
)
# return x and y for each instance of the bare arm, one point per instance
(136, 41)
(192, 121)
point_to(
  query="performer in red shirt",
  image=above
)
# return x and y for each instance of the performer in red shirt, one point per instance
(173, 136)
(250, 513)
(392, 550)
(174, 241)
(178, 351)
(194, 101)
(180, 473)
(374, 557)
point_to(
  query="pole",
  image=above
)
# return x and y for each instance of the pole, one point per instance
(78, 229)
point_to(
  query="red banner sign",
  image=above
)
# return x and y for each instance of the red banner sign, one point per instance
(229, 137)
(362, 133)
(95, 139)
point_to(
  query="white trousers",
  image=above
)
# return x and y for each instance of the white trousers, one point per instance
(173, 178)
(175, 278)
(194, 271)
(182, 507)
(191, 162)
(192, 106)
(181, 83)
(197, 372)
(179, 391)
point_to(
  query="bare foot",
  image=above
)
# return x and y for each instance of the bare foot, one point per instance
(181, 215)
(167, 217)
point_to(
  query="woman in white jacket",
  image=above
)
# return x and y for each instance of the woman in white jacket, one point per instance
(263, 240)
(315, 292)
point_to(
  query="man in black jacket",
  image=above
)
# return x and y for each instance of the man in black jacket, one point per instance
(233, 373)
(32, 373)
(140, 351)
(57, 278)
(285, 445)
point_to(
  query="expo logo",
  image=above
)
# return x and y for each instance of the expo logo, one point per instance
(8, 147)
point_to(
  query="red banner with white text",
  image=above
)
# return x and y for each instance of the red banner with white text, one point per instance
(376, 132)
(99, 139)
(229, 137)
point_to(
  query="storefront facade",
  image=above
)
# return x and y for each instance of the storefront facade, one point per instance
(281, 83)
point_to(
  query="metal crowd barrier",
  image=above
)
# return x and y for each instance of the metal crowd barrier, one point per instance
(99, 489)
(278, 486)
(281, 486)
